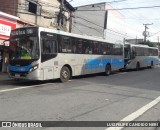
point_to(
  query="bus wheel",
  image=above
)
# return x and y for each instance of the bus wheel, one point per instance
(108, 70)
(65, 74)
(137, 66)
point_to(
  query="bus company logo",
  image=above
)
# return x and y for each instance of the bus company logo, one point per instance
(6, 124)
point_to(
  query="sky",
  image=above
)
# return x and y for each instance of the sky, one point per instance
(134, 18)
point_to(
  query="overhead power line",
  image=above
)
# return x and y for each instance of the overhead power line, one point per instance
(154, 34)
(145, 7)
(89, 21)
(139, 15)
(102, 26)
(88, 27)
(78, 29)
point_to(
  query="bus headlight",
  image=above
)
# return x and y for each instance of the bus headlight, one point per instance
(33, 68)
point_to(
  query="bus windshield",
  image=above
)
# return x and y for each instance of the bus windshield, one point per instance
(25, 47)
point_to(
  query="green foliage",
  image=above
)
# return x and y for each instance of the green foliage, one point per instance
(150, 44)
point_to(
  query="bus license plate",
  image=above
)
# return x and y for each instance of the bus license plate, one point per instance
(17, 75)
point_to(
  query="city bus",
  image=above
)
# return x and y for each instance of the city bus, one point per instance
(54, 54)
(138, 56)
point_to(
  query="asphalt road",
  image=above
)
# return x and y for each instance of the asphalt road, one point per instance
(84, 98)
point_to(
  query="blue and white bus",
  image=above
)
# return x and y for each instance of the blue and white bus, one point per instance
(54, 54)
(137, 56)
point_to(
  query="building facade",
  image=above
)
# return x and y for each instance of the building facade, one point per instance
(45, 13)
(7, 23)
(100, 20)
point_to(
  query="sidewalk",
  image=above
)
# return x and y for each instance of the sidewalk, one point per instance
(4, 76)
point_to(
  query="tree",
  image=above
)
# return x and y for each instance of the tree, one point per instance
(151, 44)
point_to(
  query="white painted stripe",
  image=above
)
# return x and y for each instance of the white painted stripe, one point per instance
(137, 113)
(25, 87)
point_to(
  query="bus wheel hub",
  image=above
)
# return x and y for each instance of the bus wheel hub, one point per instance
(65, 74)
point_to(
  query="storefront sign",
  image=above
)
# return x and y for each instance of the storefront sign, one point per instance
(5, 28)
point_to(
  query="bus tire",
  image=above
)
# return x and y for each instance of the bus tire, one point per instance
(137, 66)
(108, 70)
(65, 74)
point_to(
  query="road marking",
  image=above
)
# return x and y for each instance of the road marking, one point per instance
(137, 113)
(25, 87)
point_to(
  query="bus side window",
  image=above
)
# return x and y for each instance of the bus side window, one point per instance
(94, 47)
(59, 43)
(86, 46)
(145, 51)
(66, 44)
(90, 49)
(79, 46)
(46, 47)
(49, 47)
(74, 48)
(72, 45)
(156, 52)
(133, 52)
(109, 49)
(104, 48)
(99, 48)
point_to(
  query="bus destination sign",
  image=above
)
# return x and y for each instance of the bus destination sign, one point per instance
(23, 31)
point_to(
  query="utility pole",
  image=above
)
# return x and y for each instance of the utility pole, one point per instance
(60, 15)
(36, 19)
(70, 21)
(145, 32)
